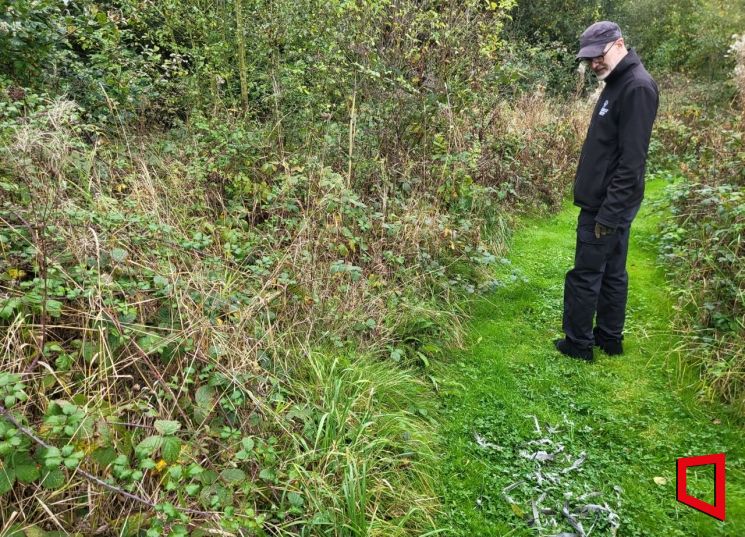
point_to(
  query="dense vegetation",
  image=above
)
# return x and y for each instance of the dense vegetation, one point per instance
(235, 235)
(702, 241)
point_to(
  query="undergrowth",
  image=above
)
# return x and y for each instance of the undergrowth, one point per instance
(701, 242)
(237, 340)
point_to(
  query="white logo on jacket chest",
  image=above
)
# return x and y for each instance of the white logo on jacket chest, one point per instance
(604, 109)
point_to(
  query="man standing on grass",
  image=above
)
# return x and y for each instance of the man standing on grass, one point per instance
(608, 189)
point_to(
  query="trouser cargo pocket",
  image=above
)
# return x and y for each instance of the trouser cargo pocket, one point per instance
(598, 283)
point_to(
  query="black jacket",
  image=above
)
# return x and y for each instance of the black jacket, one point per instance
(610, 174)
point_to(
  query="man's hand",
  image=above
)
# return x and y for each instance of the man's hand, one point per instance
(601, 230)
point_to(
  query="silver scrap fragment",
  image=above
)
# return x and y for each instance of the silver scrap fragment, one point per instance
(535, 421)
(540, 456)
(511, 487)
(541, 442)
(506, 490)
(576, 464)
(595, 508)
(536, 516)
(552, 477)
(573, 522)
(485, 444)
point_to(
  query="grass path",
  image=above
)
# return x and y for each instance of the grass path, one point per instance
(631, 415)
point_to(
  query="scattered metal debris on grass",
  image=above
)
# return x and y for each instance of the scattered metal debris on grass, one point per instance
(549, 496)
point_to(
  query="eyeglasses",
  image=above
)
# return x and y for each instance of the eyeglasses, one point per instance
(599, 59)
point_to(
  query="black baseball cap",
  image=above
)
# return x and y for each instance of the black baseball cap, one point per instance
(592, 42)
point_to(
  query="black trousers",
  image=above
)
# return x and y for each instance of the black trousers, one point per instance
(597, 287)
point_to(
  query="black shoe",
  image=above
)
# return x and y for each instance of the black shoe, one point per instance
(611, 347)
(567, 348)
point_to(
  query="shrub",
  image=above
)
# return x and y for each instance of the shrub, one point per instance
(701, 242)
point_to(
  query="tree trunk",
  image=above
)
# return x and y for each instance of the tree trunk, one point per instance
(241, 53)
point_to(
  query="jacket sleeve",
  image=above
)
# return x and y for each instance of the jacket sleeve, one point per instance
(638, 111)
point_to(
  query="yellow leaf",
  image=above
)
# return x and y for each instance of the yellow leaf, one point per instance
(161, 465)
(16, 274)
(660, 481)
(516, 509)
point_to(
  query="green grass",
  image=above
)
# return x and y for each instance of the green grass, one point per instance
(365, 460)
(633, 415)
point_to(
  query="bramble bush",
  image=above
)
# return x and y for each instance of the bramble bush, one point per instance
(702, 241)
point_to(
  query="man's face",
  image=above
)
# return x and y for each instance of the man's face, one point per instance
(604, 64)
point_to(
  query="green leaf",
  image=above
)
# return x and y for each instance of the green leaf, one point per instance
(149, 446)
(247, 443)
(53, 480)
(295, 499)
(27, 473)
(7, 307)
(233, 475)
(88, 350)
(26, 468)
(171, 449)
(150, 343)
(54, 307)
(208, 477)
(205, 396)
(16, 530)
(104, 455)
(7, 478)
(268, 474)
(167, 428)
(132, 525)
(35, 531)
(119, 254)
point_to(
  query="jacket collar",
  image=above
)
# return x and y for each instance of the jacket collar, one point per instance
(631, 59)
